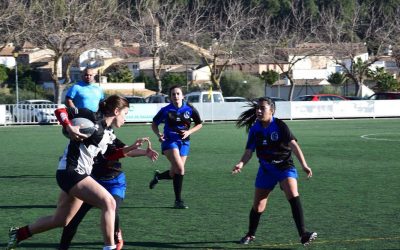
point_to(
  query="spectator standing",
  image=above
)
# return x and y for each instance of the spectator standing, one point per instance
(85, 93)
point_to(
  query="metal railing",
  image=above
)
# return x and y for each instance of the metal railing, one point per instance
(30, 114)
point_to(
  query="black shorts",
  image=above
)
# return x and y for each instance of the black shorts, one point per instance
(66, 179)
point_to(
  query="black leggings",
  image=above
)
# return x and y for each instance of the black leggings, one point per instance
(69, 231)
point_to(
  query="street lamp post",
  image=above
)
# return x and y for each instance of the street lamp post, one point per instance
(15, 54)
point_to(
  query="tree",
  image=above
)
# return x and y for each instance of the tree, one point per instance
(13, 22)
(367, 31)
(384, 80)
(4, 71)
(119, 73)
(171, 79)
(227, 26)
(285, 42)
(68, 27)
(236, 83)
(158, 26)
(336, 78)
(269, 77)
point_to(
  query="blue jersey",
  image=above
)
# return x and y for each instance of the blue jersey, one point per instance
(176, 120)
(86, 95)
(271, 143)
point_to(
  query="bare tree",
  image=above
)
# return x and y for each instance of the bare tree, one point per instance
(219, 36)
(13, 21)
(349, 39)
(156, 26)
(286, 42)
(68, 27)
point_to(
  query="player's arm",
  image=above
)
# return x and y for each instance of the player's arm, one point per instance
(69, 102)
(63, 118)
(198, 125)
(195, 128)
(248, 153)
(133, 150)
(157, 132)
(300, 156)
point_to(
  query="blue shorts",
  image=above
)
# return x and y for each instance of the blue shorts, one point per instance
(116, 186)
(268, 176)
(182, 146)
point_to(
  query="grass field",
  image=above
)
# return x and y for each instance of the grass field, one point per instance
(353, 200)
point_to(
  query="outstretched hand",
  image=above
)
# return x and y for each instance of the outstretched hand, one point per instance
(139, 142)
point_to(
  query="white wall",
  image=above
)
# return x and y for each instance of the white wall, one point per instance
(284, 110)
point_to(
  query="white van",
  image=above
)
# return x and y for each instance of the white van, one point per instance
(204, 96)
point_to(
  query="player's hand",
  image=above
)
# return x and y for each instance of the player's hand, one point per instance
(74, 133)
(161, 138)
(139, 142)
(152, 154)
(237, 168)
(184, 133)
(308, 171)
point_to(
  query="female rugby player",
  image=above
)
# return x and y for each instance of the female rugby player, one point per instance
(175, 139)
(273, 142)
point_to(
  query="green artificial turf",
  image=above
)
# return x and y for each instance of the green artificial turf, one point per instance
(352, 201)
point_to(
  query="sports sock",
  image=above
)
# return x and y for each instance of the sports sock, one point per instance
(109, 247)
(254, 219)
(23, 233)
(70, 230)
(164, 175)
(178, 180)
(297, 212)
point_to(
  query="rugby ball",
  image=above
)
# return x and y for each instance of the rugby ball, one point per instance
(87, 127)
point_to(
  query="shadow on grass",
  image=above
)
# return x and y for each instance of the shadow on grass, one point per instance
(133, 207)
(27, 206)
(26, 176)
(195, 245)
(153, 245)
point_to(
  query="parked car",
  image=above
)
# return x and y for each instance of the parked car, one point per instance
(36, 111)
(277, 99)
(135, 99)
(234, 99)
(157, 98)
(320, 97)
(204, 96)
(385, 96)
(354, 98)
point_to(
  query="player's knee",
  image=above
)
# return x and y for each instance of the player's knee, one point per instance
(110, 203)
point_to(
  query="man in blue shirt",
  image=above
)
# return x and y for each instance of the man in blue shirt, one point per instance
(85, 94)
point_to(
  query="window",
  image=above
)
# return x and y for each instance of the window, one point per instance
(217, 98)
(193, 98)
(206, 98)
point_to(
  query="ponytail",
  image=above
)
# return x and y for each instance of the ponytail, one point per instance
(248, 117)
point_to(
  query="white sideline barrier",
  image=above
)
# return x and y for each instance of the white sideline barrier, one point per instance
(285, 110)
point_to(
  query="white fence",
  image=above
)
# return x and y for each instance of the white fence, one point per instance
(34, 114)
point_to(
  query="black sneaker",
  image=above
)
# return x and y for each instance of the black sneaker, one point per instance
(180, 205)
(247, 239)
(154, 181)
(308, 237)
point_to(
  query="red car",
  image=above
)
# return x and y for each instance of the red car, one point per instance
(320, 97)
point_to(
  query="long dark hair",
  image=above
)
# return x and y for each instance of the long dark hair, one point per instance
(107, 106)
(248, 117)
